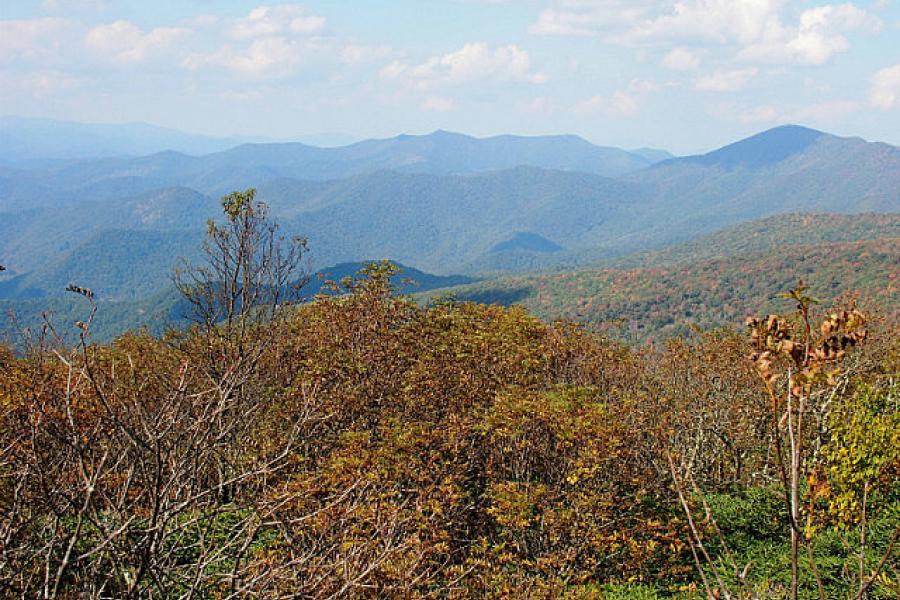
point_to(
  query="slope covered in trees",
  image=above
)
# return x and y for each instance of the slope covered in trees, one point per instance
(361, 445)
(157, 311)
(366, 447)
(639, 303)
(772, 234)
(703, 282)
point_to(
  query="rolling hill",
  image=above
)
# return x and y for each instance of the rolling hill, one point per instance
(151, 307)
(716, 280)
(437, 223)
(771, 234)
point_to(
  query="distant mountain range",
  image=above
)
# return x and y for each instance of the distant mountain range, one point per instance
(440, 153)
(444, 203)
(33, 141)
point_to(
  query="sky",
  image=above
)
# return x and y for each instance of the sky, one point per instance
(686, 75)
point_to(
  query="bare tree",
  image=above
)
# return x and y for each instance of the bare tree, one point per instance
(251, 274)
(133, 471)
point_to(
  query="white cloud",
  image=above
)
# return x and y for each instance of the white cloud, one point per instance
(355, 54)
(619, 104)
(37, 84)
(472, 62)
(759, 114)
(271, 56)
(725, 81)
(590, 17)
(718, 21)
(282, 19)
(758, 30)
(124, 42)
(645, 86)
(31, 39)
(272, 41)
(681, 59)
(393, 70)
(438, 104)
(539, 105)
(623, 102)
(825, 112)
(885, 91)
(815, 40)
(766, 113)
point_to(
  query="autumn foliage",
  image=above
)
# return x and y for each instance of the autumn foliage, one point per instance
(361, 445)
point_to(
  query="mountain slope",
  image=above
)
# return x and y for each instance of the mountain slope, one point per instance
(38, 239)
(116, 264)
(441, 224)
(786, 169)
(666, 300)
(712, 279)
(761, 150)
(771, 234)
(159, 310)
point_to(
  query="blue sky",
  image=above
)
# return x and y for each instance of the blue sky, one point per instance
(687, 75)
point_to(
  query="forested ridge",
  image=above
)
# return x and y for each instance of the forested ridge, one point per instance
(708, 282)
(679, 294)
(363, 445)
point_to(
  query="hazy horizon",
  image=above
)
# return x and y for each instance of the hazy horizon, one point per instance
(685, 76)
(325, 139)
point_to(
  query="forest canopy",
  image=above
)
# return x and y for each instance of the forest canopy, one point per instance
(362, 445)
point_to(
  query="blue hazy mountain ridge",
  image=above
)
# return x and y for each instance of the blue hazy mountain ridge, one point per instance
(763, 149)
(31, 139)
(57, 219)
(786, 169)
(430, 221)
(782, 170)
(654, 155)
(440, 153)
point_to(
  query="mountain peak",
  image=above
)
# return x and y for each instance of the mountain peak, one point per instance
(444, 134)
(763, 149)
